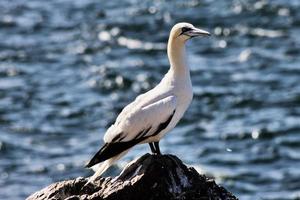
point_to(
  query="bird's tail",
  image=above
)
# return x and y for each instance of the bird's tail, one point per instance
(101, 168)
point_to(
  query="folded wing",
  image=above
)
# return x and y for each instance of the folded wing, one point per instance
(136, 125)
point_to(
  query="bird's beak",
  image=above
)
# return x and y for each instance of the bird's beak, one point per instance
(197, 32)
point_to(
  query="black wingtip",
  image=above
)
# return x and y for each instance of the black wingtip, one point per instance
(88, 165)
(110, 150)
(97, 157)
(93, 162)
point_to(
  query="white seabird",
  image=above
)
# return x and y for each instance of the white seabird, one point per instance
(152, 114)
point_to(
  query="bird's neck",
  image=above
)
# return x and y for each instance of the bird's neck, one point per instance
(177, 58)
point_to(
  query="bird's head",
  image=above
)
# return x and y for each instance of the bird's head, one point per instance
(184, 31)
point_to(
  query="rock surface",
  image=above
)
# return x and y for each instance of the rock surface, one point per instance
(160, 177)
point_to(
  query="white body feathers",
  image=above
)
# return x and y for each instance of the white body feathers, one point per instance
(168, 100)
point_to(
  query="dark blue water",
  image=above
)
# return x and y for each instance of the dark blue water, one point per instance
(67, 68)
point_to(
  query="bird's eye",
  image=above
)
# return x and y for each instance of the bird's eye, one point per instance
(185, 29)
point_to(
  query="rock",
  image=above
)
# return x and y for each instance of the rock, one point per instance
(160, 177)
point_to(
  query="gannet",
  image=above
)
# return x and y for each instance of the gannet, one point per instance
(152, 114)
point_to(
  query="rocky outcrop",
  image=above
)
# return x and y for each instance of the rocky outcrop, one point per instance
(160, 177)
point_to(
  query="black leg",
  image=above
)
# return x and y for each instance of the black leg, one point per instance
(156, 145)
(152, 147)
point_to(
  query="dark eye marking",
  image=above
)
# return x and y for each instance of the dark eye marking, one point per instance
(185, 29)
